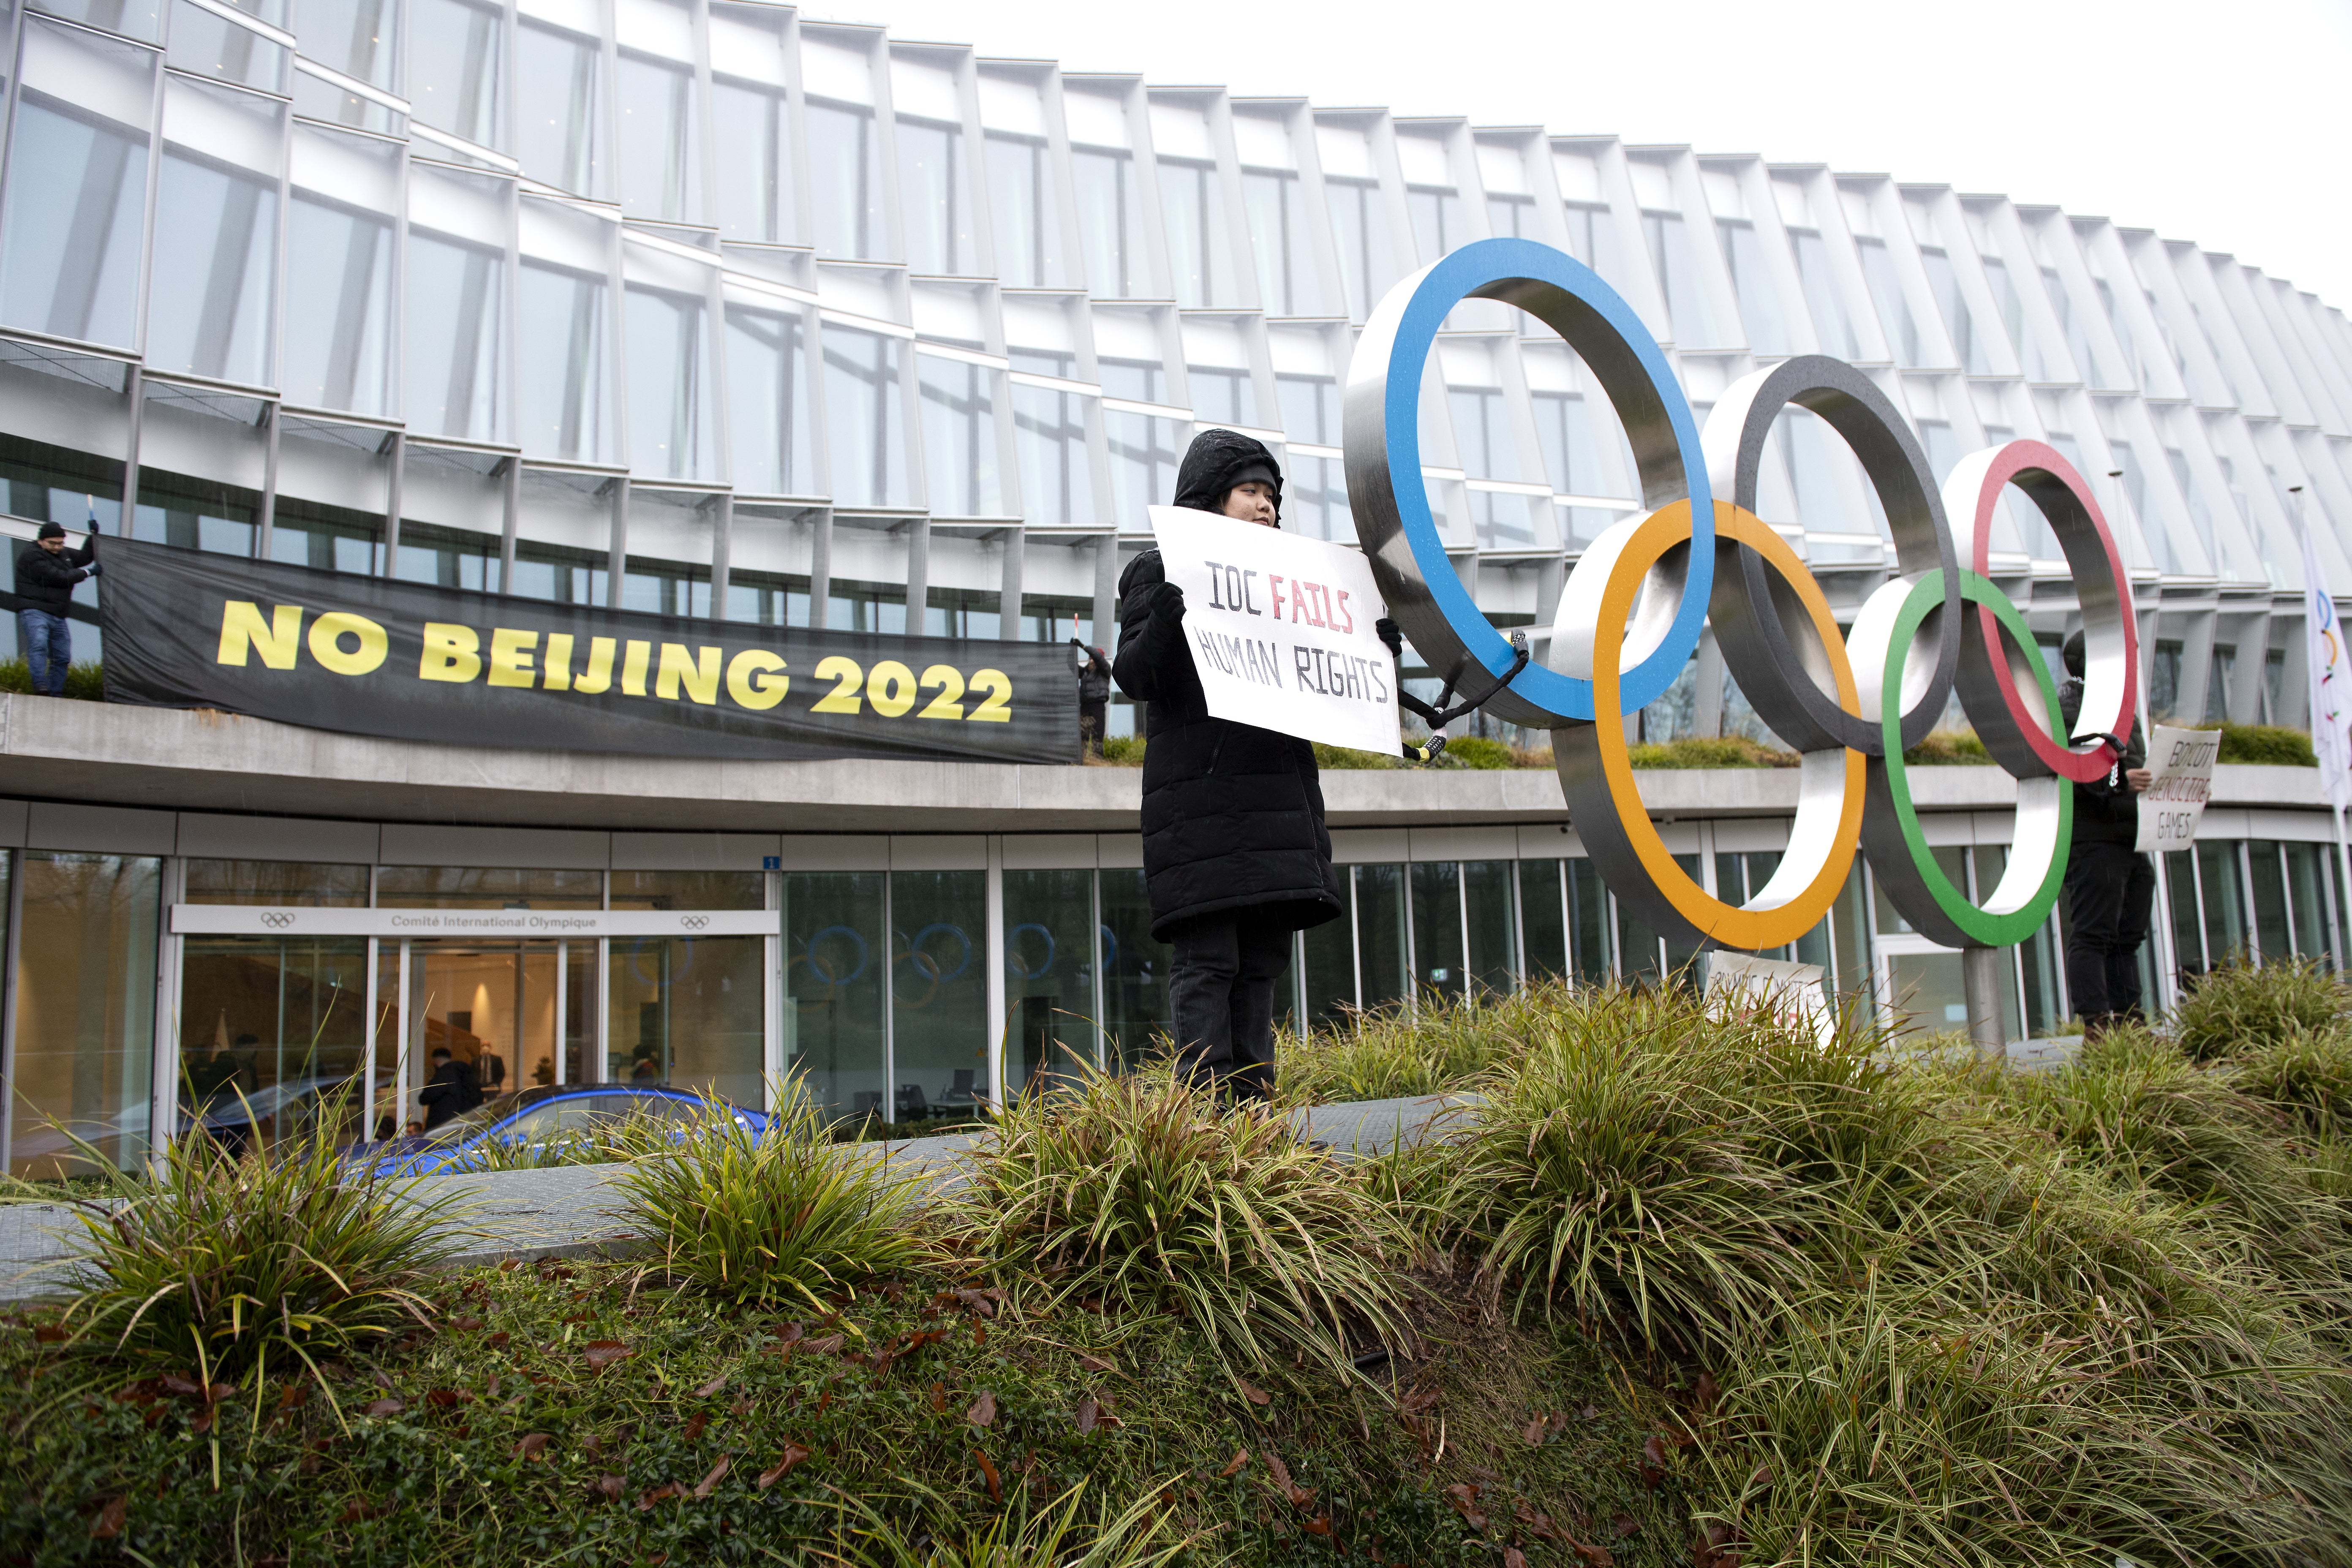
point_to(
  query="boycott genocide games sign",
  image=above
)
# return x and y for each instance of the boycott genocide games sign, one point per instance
(2174, 803)
(1281, 629)
(367, 656)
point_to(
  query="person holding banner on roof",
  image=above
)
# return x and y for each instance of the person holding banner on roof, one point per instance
(1235, 854)
(2110, 886)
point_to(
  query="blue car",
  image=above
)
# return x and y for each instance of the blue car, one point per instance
(537, 1116)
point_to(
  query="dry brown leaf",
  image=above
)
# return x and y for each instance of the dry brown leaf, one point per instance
(1252, 1392)
(702, 1487)
(995, 1488)
(939, 1396)
(983, 1410)
(1534, 1432)
(713, 1387)
(694, 1428)
(1514, 1558)
(532, 1446)
(1623, 1525)
(794, 1454)
(608, 1487)
(660, 1493)
(1241, 1458)
(602, 1354)
(1087, 1413)
(109, 1522)
(1097, 1364)
(384, 1407)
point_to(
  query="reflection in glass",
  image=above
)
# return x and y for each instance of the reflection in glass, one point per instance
(866, 418)
(1752, 286)
(1588, 919)
(959, 437)
(271, 1034)
(1028, 218)
(835, 962)
(84, 1005)
(559, 121)
(687, 1012)
(1049, 432)
(1223, 395)
(338, 306)
(455, 316)
(1049, 975)
(1135, 1016)
(2226, 937)
(1481, 435)
(1439, 224)
(2314, 935)
(1198, 249)
(767, 402)
(1144, 452)
(661, 170)
(216, 222)
(1945, 284)
(939, 992)
(282, 883)
(845, 180)
(1679, 283)
(1110, 221)
(137, 18)
(1492, 961)
(1289, 282)
(1925, 992)
(77, 188)
(1592, 239)
(1543, 922)
(211, 45)
(1359, 223)
(563, 323)
(672, 427)
(1832, 325)
(353, 37)
(455, 67)
(1437, 964)
(1384, 968)
(1886, 293)
(935, 193)
(1327, 957)
(755, 193)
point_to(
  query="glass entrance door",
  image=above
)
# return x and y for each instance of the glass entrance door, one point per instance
(508, 1014)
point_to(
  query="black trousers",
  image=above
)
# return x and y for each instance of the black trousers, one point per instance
(1221, 989)
(1092, 716)
(2110, 898)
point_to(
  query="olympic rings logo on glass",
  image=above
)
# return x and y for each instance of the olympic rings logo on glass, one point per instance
(1632, 611)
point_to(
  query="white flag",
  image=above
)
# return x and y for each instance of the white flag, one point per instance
(2331, 680)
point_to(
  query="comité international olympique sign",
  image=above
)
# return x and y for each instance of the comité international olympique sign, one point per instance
(1632, 611)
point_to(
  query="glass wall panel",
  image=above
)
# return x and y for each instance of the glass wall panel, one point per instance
(211, 45)
(1944, 283)
(1384, 963)
(353, 37)
(1487, 899)
(1543, 924)
(85, 1001)
(673, 426)
(660, 145)
(1587, 920)
(454, 311)
(767, 402)
(559, 117)
(455, 65)
(282, 883)
(866, 417)
(338, 272)
(480, 888)
(2188, 928)
(1437, 959)
(834, 959)
(138, 18)
(687, 1010)
(2225, 899)
(755, 166)
(1199, 249)
(1438, 222)
(2314, 935)
(1028, 215)
(1328, 959)
(845, 180)
(216, 218)
(1049, 981)
(1222, 395)
(689, 890)
(1049, 428)
(564, 323)
(939, 969)
(270, 1037)
(195, 514)
(1592, 239)
(1832, 325)
(1136, 1016)
(1290, 283)
(935, 193)
(1110, 222)
(1144, 452)
(2036, 955)
(1893, 306)
(1925, 992)
(1676, 260)
(959, 437)
(2266, 871)
(1359, 225)
(1751, 283)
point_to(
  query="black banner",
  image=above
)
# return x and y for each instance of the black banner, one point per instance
(407, 660)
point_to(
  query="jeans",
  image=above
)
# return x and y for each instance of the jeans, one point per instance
(49, 649)
(2110, 899)
(1221, 989)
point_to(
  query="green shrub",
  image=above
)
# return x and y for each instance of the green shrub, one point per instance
(84, 681)
(2241, 1007)
(2272, 744)
(772, 1216)
(1949, 748)
(2307, 1075)
(1718, 751)
(224, 1268)
(1477, 752)
(1141, 1192)
(1123, 751)
(1389, 1053)
(1141, 1535)
(1330, 758)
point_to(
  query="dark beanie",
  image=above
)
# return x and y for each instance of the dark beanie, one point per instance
(51, 531)
(2073, 654)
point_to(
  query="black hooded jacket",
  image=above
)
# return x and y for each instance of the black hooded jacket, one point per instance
(1232, 815)
(46, 582)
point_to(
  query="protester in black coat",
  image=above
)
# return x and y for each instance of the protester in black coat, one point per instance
(1235, 854)
(2110, 885)
(452, 1091)
(46, 575)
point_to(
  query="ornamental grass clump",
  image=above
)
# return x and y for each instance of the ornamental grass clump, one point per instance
(2307, 1076)
(1146, 1195)
(229, 1270)
(775, 1215)
(1141, 1535)
(2240, 1007)
(1390, 1054)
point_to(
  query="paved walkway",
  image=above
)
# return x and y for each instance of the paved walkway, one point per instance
(573, 1210)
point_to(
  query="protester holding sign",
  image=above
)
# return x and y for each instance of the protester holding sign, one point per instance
(1235, 854)
(2110, 886)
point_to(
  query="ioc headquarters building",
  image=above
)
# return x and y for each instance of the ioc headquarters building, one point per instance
(701, 309)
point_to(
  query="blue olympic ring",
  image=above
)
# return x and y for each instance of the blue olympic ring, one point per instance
(809, 948)
(1109, 949)
(1013, 960)
(915, 946)
(1499, 270)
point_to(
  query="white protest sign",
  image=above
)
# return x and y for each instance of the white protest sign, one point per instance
(2182, 762)
(1281, 629)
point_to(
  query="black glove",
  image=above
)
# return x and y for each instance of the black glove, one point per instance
(1388, 632)
(1168, 603)
(91, 570)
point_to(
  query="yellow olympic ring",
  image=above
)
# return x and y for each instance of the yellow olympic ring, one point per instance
(1598, 771)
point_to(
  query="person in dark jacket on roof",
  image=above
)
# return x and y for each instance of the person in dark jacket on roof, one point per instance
(1235, 854)
(2110, 885)
(46, 575)
(1094, 695)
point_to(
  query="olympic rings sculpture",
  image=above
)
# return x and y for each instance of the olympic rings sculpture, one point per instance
(1631, 611)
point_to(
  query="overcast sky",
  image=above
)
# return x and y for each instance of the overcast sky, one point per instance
(2222, 124)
